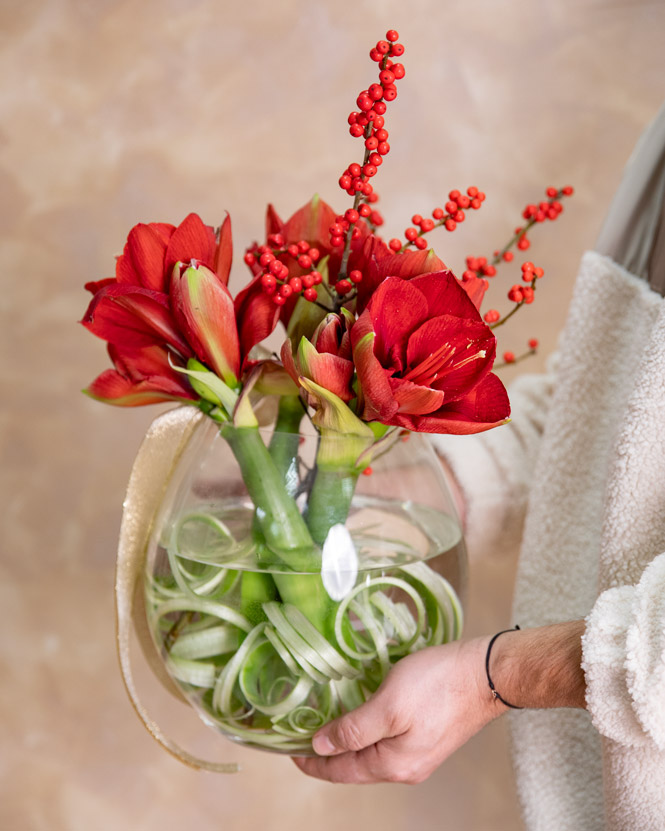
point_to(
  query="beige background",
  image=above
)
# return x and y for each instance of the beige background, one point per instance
(117, 112)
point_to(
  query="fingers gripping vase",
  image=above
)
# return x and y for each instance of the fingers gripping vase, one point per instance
(268, 639)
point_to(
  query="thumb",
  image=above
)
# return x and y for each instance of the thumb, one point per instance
(354, 731)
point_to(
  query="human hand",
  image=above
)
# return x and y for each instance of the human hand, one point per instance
(430, 704)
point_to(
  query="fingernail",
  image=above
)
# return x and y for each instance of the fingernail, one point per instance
(322, 745)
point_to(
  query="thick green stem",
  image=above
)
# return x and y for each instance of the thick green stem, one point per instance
(283, 446)
(330, 500)
(283, 527)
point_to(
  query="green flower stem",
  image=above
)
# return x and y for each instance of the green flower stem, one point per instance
(285, 439)
(283, 527)
(330, 500)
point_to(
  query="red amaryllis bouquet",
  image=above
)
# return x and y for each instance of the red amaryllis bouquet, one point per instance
(283, 599)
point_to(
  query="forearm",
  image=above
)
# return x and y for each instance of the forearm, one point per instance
(540, 668)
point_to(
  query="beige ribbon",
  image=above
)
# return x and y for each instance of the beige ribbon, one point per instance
(166, 440)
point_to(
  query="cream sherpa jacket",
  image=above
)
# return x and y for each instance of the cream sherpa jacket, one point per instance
(584, 458)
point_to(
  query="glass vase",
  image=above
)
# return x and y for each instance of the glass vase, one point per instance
(269, 639)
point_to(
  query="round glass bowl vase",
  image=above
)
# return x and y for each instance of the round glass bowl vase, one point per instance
(267, 639)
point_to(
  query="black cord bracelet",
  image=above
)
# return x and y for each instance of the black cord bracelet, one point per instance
(495, 693)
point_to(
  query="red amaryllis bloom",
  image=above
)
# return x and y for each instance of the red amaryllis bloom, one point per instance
(326, 359)
(141, 376)
(423, 357)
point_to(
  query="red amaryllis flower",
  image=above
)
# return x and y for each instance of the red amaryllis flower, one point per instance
(326, 359)
(141, 376)
(423, 357)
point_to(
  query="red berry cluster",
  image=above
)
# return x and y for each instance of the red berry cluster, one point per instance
(549, 209)
(275, 262)
(517, 294)
(449, 217)
(509, 357)
(368, 123)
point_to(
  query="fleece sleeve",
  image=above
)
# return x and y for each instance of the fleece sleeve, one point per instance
(494, 469)
(624, 660)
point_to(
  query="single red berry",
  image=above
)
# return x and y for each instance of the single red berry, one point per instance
(394, 244)
(364, 210)
(472, 263)
(373, 197)
(303, 246)
(381, 135)
(383, 47)
(398, 71)
(362, 119)
(276, 239)
(268, 281)
(420, 243)
(552, 214)
(556, 206)
(459, 216)
(310, 294)
(392, 35)
(314, 254)
(523, 244)
(489, 270)
(528, 266)
(375, 159)
(386, 77)
(366, 189)
(364, 103)
(376, 218)
(276, 268)
(356, 130)
(375, 55)
(416, 219)
(396, 50)
(371, 143)
(266, 259)
(296, 284)
(384, 148)
(426, 224)
(367, 471)
(450, 224)
(533, 343)
(375, 92)
(305, 261)
(355, 276)
(472, 191)
(567, 191)
(468, 275)
(463, 201)
(378, 121)
(482, 261)
(357, 184)
(307, 280)
(285, 290)
(316, 276)
(354, 169)
(250, 259)
(508, 256)
(541, 216)
(278, 299)
(390, 93)
(491, 316)
(369, 170)
(451, 207)
(342, 286)
(351, 216)
(552, 192)
(336, 241)
(475, 203)
(538, 272)
(454, 195)
(509, 357)
(515, 294)
(438, 213)
(353, 117)
(411, 234)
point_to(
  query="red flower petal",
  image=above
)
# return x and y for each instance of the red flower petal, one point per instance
(311, 223)
(191, 240)
(445, 295)
(256, 315)
(475, 288)
(375, 397)
(397, 308)
(274, 224)
(485, 407)
(224, 253)
(415, 399)
(134, 317)
(142, 262)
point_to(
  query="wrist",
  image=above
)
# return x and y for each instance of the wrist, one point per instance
(540, 668)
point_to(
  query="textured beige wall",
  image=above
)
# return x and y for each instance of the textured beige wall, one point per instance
(117, 112)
